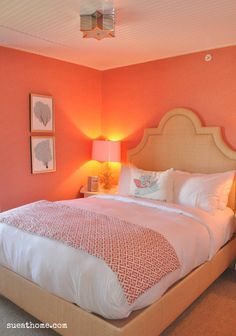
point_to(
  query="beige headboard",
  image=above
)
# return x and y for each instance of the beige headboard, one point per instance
(181, 142)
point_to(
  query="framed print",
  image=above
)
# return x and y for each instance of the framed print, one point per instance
(43, 154)
(41, 113)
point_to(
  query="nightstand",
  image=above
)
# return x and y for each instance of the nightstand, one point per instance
(101, 191)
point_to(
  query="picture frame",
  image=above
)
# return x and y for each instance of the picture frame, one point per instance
(41, 113)
(43, 159)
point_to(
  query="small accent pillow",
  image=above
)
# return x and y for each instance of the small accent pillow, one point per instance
(151, 184)
(205, 191)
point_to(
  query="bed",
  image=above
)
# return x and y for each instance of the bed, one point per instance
(179, 142)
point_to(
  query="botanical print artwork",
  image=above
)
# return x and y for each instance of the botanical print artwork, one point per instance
(41, 113)
(146, 184)
(42, 154)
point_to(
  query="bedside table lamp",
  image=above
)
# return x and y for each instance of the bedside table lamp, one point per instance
(106, 151)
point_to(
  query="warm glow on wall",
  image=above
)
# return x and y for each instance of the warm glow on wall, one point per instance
(89, 168)
(90, 132)
(83, 124)
(115, 137)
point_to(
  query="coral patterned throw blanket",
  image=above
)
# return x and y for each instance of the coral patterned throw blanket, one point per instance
(140, 257)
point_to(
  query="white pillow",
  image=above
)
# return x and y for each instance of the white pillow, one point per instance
(205, 191)
(147, 184)
(124, 180)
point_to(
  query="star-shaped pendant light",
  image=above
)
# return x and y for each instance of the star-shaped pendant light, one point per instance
(98, 25)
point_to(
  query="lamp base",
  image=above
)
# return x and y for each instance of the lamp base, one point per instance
(106, 178)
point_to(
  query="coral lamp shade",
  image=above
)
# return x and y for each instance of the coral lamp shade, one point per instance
(106, 151)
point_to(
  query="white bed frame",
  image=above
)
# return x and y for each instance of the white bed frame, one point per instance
(179, 142)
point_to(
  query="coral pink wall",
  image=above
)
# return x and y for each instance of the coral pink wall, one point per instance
(123, 101)
(137, 96)
(77, 95)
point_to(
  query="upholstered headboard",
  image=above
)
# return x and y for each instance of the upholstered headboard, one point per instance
(181, 142)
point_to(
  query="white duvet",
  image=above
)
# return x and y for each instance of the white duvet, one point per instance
(88, 281)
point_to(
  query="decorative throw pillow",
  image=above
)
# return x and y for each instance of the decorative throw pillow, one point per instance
(152, 184)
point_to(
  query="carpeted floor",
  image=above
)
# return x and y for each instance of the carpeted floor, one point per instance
(212, 314)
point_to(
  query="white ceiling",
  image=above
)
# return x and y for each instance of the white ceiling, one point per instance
(145, 29)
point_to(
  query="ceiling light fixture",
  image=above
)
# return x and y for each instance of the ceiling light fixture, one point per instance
(98, 25)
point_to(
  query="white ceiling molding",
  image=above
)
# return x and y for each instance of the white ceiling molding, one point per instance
(145, 30)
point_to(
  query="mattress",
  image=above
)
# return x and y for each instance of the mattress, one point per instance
(86, 280)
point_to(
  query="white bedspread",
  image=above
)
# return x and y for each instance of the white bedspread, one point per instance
(87, 280)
